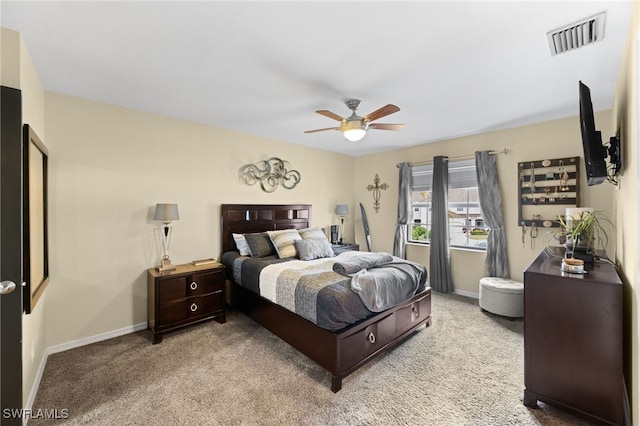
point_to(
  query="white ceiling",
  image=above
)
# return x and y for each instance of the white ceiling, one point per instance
(454, 68)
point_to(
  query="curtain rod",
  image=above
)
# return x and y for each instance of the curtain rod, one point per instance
(460, 157)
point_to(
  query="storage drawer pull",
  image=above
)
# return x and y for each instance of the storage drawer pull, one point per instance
(372, 338)
(193, 307)
(193, 285)
(414, 309)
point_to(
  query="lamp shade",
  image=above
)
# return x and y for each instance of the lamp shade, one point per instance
(166, 212)
(354, 135)
(342, 209)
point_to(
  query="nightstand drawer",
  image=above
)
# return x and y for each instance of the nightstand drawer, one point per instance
(189, 309)
(192, 285)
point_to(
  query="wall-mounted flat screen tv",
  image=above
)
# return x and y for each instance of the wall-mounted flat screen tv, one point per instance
(595, 153)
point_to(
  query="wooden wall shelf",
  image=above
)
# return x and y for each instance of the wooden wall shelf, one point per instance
(545, 189)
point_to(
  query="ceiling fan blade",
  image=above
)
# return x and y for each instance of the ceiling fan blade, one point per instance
(385, 126)
(381, 112)
(330, 114)
(322, 130)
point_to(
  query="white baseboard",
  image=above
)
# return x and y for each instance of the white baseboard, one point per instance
(97, 338)
(71, 345)
(467, 294)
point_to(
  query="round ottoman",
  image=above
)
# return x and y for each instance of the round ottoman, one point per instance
(502, 296)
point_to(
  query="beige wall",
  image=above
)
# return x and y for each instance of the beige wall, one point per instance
(626, 117)
(553, 139)
(109, 169)
(18, 72)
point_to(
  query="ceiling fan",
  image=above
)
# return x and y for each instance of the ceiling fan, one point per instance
(355, 127)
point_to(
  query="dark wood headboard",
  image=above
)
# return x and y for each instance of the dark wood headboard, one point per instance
(247, 218)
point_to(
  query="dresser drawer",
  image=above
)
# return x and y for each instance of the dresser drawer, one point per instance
(189, 309)
(171, 289)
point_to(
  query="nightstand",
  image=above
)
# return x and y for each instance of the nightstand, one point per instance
(341, 248)
(185, 296)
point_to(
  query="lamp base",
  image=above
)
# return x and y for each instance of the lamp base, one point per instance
(166, 265)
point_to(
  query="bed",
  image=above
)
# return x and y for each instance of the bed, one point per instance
(340, 351)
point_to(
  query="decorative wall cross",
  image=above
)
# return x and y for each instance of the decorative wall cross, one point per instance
(376, 187)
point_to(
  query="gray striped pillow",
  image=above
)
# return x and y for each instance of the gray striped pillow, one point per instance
(283, 241)
(312, 233)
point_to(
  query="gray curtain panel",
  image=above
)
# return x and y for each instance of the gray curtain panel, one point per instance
(440, 260)
(497, 260)
(404, 210)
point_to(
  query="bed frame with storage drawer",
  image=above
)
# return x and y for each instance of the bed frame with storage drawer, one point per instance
(341, 352)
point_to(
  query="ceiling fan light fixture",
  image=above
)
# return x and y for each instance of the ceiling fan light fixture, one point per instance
(354, 130)
(355, 127)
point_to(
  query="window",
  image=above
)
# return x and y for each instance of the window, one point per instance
(466, 224)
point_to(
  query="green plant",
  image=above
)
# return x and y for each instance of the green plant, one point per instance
(585, 231)
(419, 233)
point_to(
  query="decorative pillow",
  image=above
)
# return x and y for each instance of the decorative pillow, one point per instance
(311, 233)
(314, 248)
(259, 244)
(241, 244)
(283, 241)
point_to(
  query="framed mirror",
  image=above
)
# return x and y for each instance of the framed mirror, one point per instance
(36, 230)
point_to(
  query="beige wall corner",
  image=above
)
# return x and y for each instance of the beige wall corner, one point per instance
(627, 198)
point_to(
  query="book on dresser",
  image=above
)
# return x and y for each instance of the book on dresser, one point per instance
(202, 262)
(188, 295)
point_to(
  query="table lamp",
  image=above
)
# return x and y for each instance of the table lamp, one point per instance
(342, 210)
(166, 213)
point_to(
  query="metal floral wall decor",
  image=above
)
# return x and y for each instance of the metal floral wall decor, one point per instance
(376, 187)
(270, 173)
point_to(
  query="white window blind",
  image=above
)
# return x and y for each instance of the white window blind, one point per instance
(462, 174)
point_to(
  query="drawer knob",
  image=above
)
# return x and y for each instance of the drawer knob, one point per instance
(193, 285)
(193, 307)
(414, 309)
(372, 338)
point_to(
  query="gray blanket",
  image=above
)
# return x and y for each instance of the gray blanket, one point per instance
(384, 286)
(381, 280)
(355, 261)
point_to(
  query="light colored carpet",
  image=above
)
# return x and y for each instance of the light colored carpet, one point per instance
(465, 369)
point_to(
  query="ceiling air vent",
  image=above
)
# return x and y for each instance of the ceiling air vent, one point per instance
(576, 35)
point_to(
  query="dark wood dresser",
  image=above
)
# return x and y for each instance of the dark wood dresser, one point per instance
(188, 295)
(573, 338)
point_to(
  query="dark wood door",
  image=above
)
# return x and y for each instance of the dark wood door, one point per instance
(10, 256)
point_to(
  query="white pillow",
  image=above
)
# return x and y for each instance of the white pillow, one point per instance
(241, 244)
(283, 241)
